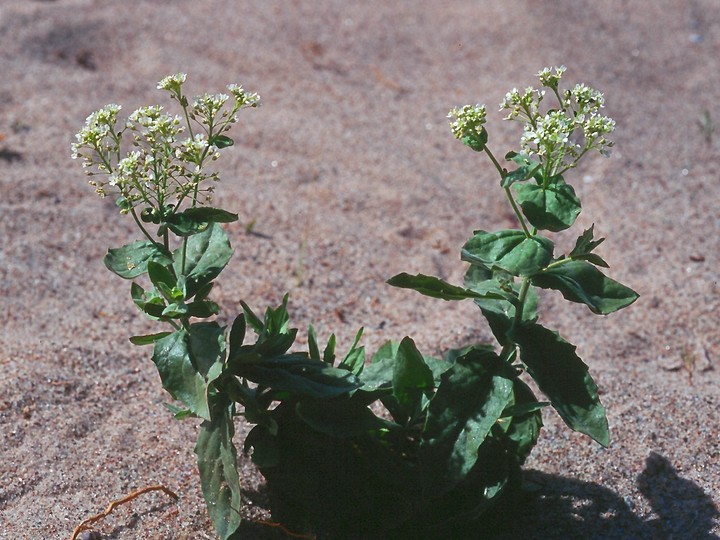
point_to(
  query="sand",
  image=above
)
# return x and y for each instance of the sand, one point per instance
(351, 175)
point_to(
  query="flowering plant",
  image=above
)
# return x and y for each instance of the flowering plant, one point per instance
(507, 266)
(404, 446)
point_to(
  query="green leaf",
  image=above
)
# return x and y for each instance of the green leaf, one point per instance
(554, 208)
(206, 255)
(529, 168)
(207, 347)
(237, 332)
(274, 335)
(563, 377)
(217, 463)
(341, 418)
(179, 375)
(387, 350)
(582, 282)
(412, 379)
(131, 260)
(196, 220)
(202, 309)
(584, 246)
(253, 320)
(148, 339)
(434, 287)
(525, 422)
(354, 360)
(476, 141)
(509, 250)
(178, 412)
(164, 281)
(298, 375)
(313, 349)
(379, 374)
(470, 399)
(329, 352)
(221, 141)
(500, 313)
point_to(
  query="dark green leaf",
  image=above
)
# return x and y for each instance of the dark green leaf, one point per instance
(163, 279)
(217, 463)
(509, 250)
(563, 377)
(207, 347)
(221, 141)
(476, 141)
(412, 379)
(253, 320)
(313, 349)
(148, 339)
(131, 260)
(526, 421)
(202, 309)
(206, 255)
(379, 374)
(500, 313)
(299, 376)
(195, 220)
(554, 208)
(434, 287)
(354, 360)
(204, 291)
(340, 418)
(584, 245)
(582, 282)
(329, 352)
(470, 399)
(237, 334)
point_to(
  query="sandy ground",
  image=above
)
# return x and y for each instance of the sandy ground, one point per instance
(351, 175)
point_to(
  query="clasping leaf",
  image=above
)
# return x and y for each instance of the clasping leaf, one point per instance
(131, 260)
(554, 208)
(509, 250)
(582, 282)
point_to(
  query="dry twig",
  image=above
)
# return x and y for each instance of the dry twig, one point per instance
(85, 525)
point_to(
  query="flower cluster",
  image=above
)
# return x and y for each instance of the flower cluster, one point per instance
(560, 137)
(162, 167)
(468, 120)
(550, 78)
(467, 125)
(522, 104)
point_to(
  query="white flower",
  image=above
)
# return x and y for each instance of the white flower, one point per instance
(551, 77)
(523, 104)
(172, 83)
(243, 98)
(468, 120)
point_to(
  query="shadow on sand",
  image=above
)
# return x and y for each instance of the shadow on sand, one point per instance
(558, 507)
(554, 507)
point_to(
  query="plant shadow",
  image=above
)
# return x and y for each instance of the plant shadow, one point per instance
(555, 507)
(558, 507)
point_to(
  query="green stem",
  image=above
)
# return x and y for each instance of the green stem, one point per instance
(522, 295)
(140, 226)
(515, 208)
(559, 262)
(509, 349)
(508, 193)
